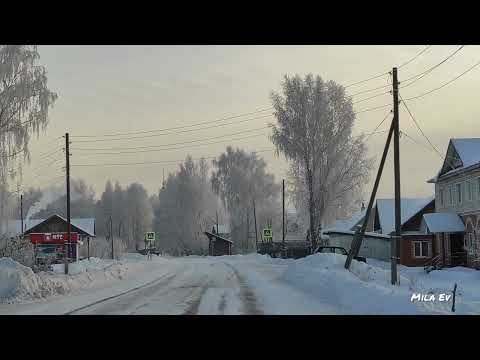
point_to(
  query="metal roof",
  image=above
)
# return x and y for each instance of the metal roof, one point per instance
(87, 225)
(444, 222)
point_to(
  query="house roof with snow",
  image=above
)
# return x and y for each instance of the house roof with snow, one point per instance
(461, 154)
(409, 208)
(86, 225)
(351, 222)
(443, 222)
(222, 228)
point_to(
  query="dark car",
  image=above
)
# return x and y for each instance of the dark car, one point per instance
(337, 250)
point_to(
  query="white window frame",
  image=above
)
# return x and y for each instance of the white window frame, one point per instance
(422, 256)
(450, 195)
(442, 198)
(469, 191)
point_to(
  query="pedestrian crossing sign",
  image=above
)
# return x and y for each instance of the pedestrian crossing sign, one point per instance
(150, 236)
(267, 234)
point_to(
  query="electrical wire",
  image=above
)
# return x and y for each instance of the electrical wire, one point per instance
(386, 73)
(379, 124)
(444, 84)
(428, 71)
(173, 148)
(371, 97)
(170, 144)
(372, 109)
(175, 128)
(416, 56)
(417, 124)
(154, 162)
(178, 132)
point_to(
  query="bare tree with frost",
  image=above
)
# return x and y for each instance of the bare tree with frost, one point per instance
(314, 132)
(239, 178)
(25, 100)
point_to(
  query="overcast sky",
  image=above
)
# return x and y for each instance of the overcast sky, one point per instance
(115, 89)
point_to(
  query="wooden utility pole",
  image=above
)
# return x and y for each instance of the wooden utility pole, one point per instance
(111, 234)
(21, 214)
(357, 239)
(256, 231)
(216, 214)
(396, 243)
(283, 215)
(67, 168)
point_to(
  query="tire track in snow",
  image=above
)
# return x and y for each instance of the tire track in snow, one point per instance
(160, 281)
(247, 296)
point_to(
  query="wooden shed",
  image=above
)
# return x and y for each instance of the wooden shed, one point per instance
(218, 245)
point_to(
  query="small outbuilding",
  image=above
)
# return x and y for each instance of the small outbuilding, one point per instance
(218, 245)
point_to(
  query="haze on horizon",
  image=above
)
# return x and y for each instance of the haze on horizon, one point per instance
(117, 89)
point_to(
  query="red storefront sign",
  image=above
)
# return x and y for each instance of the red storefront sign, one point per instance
(52, 238)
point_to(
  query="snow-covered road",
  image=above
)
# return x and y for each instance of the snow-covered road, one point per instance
(231, 285)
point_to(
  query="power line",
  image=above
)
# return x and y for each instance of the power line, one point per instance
(379, 124)
(156, 162)
(178, 132)
(416, 123)
(173, 148)
(426, 72)
(177, 127)
(372, 109)
(170, 144)
(364, 81)
(445, 84)
(416, 56)
(371, 97)
(386, 73)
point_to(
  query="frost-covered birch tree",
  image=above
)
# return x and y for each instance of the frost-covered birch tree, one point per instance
(25, 100)
(239, 178)
(314, 132)
(185, 209)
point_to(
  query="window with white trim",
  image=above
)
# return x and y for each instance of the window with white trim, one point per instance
(421, 249)
(450, 191)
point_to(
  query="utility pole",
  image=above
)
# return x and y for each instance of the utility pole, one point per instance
(111, 234)
(256, 232)
(283, 215)
(67, 168)
(216, 213)
(21, 213)
(357, 239)
(396, 155)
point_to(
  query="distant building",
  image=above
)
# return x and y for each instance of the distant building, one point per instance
(223, 230)
(416, 243)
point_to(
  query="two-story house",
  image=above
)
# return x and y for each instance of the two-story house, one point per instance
(456, 224)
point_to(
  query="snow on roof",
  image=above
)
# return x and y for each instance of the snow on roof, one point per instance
(222, 228)
(409, 208)
(468, 150)
(443, 222)
(14, 227)
(348, 232)
(348, 224)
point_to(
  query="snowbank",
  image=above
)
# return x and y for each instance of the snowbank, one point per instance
(365, 289)
(19, 283)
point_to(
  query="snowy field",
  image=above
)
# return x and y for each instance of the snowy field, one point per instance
(248, 284)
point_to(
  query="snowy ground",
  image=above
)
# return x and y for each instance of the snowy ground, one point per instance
(250, 284)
